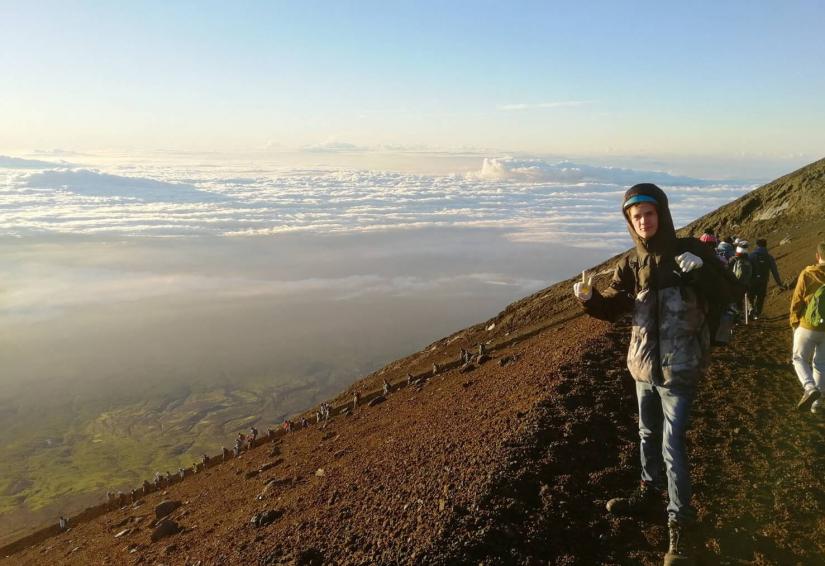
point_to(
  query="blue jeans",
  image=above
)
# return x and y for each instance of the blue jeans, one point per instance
(663, 421)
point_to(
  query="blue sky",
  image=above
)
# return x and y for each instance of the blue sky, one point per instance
(715, 78)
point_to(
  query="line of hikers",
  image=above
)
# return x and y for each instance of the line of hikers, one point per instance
(678, 291)
(752, 269)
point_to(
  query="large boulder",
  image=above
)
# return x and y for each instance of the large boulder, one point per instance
(165, 507)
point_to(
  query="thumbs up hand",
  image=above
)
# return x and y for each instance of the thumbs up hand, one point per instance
(584, 289)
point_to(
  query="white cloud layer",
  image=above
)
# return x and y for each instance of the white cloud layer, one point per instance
(532, 200)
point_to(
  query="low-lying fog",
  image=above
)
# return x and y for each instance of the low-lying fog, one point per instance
(132, 312)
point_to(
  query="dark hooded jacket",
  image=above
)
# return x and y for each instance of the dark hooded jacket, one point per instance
(673, 312)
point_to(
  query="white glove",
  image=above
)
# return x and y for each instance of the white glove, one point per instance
(688, 262)
(583, 289)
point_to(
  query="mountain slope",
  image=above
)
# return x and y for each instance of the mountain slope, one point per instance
(512, 461)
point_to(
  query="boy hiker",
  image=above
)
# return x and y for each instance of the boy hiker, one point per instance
(808, 323)
(675, 289)
(763, 264)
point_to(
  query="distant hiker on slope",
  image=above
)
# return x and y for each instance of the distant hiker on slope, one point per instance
(675, 289)
(710, 241)
(726, 249)
(808, 323)
(763, 264)
(742, 269)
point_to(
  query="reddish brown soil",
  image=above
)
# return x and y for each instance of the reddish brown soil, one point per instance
(511, 464)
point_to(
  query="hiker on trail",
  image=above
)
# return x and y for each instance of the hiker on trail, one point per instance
(62, 522)
(386, 388)
(304, 422)
(808, 323)
(287, 425)
(355, 398)
(181, 473)
(239, 444)
(742, 269)
(253, 434)
(711, 242)
(763, 264)
(725, 250)
(675, 290)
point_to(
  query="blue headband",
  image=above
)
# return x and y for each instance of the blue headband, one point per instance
(636, 199)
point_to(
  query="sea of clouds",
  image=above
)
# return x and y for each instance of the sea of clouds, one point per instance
(531, 200)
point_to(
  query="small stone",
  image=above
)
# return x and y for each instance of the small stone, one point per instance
(320, 472)
(165, 507)
(265, 517)
(377, 401)
(123, 533)
(251, 474)
(165, 528)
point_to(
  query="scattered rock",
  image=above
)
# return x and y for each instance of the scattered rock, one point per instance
(123, 523)
(165, 507)
(467, 368)
(270, 465)
(492, 326)
(170, 549)
(377, 401)
(163, 529)
(123, 533)
(320, 473)
(251, 474)
(309, 557)
(265, 517)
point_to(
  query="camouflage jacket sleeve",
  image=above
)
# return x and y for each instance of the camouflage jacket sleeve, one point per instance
(619, 296)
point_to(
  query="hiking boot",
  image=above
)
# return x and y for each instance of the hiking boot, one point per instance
(637, 502)
(808, 399)
(678, 552)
